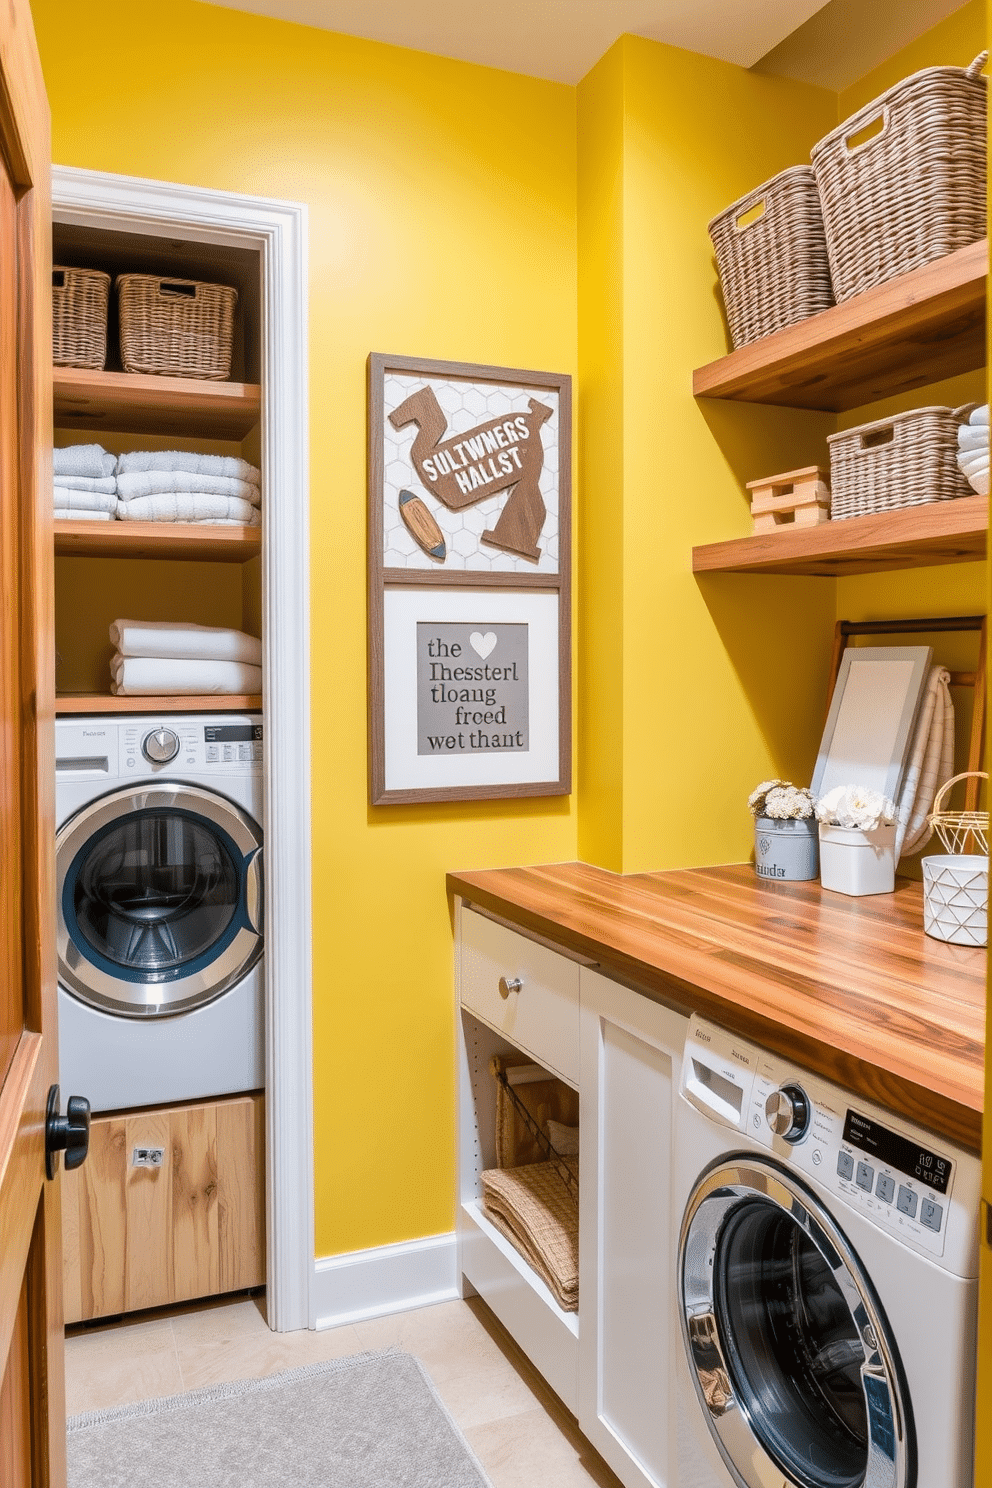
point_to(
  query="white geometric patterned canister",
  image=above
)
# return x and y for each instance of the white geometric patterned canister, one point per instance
(956, 898)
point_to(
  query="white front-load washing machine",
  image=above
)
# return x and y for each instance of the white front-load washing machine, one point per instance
(159, 907)
(826, 1282)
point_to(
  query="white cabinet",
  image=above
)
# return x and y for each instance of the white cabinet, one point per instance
(610, 1363)
(631, 1051)
(522, 990)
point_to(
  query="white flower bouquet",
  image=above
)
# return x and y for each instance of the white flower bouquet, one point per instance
(780, 800)
(855, 807)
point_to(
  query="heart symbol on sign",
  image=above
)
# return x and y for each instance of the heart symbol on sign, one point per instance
(483, 644)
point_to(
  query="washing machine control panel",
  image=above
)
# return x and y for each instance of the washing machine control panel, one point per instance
(151, 747)
(904, 1180)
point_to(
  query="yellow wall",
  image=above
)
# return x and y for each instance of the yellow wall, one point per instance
(442, 223)
(673, 669)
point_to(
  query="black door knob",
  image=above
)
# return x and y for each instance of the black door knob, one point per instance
(69, 1133)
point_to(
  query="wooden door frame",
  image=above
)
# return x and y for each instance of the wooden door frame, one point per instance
(278, 231)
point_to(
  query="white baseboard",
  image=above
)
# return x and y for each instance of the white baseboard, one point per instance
(391, 1278)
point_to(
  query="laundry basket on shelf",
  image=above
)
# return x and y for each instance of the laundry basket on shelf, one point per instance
(902, 181)
(771, 254)
(905, 460)
(176, 327)
(79, 317)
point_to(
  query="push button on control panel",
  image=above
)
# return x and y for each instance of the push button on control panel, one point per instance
(931, 1214)
(885, 1188)
(907, 1202)
(845, 1165)
(866, 1176)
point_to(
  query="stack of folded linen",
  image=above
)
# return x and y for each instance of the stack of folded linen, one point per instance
(85, 484)
(157, 657)
(175, 486)
(973, 450)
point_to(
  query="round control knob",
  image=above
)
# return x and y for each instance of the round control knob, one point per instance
(787, 1112)
(160, 746)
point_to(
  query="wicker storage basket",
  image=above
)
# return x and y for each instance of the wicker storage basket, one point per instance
(902, 182)
(176, 327)
(905, 460)
(79, 317)
(772, 256)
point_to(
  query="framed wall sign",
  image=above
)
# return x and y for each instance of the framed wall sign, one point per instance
(469, 581)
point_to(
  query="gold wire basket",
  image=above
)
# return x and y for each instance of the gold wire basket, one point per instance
(956, 828)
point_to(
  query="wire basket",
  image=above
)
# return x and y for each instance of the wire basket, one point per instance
(956, 829)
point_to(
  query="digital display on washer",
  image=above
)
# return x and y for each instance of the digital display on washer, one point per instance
(888, 1147)
(232, 733)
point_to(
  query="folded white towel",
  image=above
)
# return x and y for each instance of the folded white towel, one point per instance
(166, 674)
(196, 464)
(201, 642)
(183, 507)
(83, 459)
(980, 481)
(64, 514)
(85, 501)
(980, 415)
(105, 483)
(172, 482)
(973, 460)
(973, 436)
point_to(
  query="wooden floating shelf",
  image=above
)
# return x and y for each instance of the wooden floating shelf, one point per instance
(98, 702)
(196, 541)
(127, 403)
(915, 537)
(913, 330)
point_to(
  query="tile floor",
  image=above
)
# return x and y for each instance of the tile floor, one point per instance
(517, 1427)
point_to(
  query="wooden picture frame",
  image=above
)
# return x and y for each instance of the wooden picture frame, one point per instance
(469, 581)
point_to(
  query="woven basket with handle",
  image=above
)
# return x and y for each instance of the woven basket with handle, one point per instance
(772, 256)
(960, 831)
(902, 181)
(905, 460)
(176, 327)
(79, 317)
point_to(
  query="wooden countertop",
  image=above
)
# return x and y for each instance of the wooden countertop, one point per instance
(851, 988)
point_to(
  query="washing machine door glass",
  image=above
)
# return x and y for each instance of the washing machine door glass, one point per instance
(788, 1348)
(159, 899)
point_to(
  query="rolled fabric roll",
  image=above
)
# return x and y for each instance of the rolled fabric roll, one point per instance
(972, 460)
(973, 436)
(980, 481)
(980, 415)
(168, 674)
(163, 638)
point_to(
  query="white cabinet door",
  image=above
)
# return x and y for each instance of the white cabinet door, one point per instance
(631, 1048)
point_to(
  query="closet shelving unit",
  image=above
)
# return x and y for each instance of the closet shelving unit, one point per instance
(116, 402)
(911, 331)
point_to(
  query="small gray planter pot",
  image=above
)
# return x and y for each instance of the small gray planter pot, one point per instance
(788, 851)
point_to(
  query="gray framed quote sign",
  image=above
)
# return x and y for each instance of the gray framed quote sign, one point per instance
(469, 581)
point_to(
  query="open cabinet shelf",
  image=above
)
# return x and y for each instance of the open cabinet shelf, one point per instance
(127, 403)
(914, 537)
(98, 702)
(196, 541)
(903, 334)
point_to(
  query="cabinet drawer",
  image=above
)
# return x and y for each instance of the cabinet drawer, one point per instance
(542, 1016)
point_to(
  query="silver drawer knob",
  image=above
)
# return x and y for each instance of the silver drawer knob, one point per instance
(506, 987)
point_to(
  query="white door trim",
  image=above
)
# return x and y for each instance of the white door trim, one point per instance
(278, 230)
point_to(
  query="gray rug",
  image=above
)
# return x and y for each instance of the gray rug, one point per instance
(372, 1421)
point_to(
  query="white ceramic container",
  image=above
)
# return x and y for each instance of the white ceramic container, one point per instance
(956, 898)
(857, 863)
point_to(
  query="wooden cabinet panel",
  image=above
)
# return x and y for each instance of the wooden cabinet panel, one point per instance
(137, 1235)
